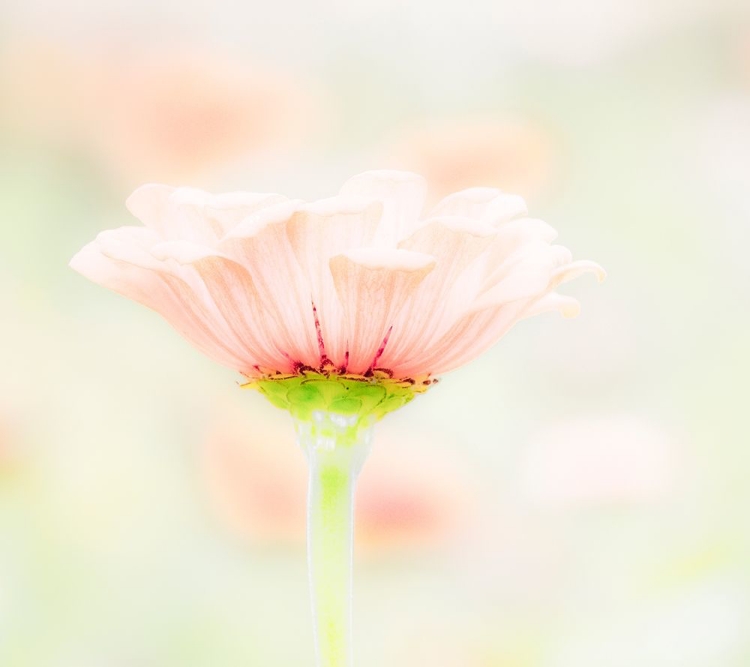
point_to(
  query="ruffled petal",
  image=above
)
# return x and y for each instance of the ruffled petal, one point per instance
(254, 324)
(524, 291)
(373, 284)
(317, 232)
(567, 306)
(456, 243)
(486, 205)
(470, 335)
(261, 244)
(574, 269)
(402, 194)
(525, 274)
(151, 284)
(194, 215)
(480, 330)
(513, 239)
(129, 244)
(150, 204)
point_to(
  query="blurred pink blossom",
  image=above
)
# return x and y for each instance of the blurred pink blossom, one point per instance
(603, 460)
(173, 114)
(152, 114)
(11, 453)
(512, 155)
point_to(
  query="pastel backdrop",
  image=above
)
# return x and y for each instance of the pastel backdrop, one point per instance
(577, 497)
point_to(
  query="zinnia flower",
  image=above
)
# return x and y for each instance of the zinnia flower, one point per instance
(358, 286)
(339, 310)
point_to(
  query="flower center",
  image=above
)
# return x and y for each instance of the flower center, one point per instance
(313, 391)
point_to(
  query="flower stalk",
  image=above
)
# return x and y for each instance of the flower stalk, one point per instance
(336, 447)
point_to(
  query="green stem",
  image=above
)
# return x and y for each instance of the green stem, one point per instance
(336, 448)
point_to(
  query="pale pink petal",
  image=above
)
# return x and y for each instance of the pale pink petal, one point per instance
(575, 269)
(402, 194)
(192, 214)
(318, 232)
(150, 204)
(170, 264)
(527, 273)
(182, 252)
(465, 338)
(472, 335)
(232, 290)
(491, 315)
(373, 285)
(488, 205)
(129, 280)
(168, 295)
(455, 243)
(261, 244)
(478, 316)
(567, 306)
(214, 215)
(514, 238)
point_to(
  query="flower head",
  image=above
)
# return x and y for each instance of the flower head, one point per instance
(362, 288)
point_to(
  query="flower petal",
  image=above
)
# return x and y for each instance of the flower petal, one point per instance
(231, 289)
(471, 334)
(129, 244)
(192, 214)
(513, 239)
(526, 290)
(318, 232)
(150, 203)
(182, 252)
(169, 295)
(233, 292)
(488, 205)
(402, 194)
(262, 245)
(575, 269)
(567, 306)
(525, 274)
(456, 243)
(373, 285)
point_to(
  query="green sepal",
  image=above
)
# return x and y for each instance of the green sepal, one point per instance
(349, 395)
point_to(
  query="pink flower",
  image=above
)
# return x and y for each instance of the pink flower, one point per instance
(615, 460)
(177, 113)
(170, 112)
(358, 284)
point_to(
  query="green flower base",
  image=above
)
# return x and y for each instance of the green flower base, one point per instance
(364, 397)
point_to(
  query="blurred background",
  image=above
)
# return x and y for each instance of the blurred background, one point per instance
(578, 497)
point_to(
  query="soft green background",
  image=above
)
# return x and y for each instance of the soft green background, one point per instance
(110, 553)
